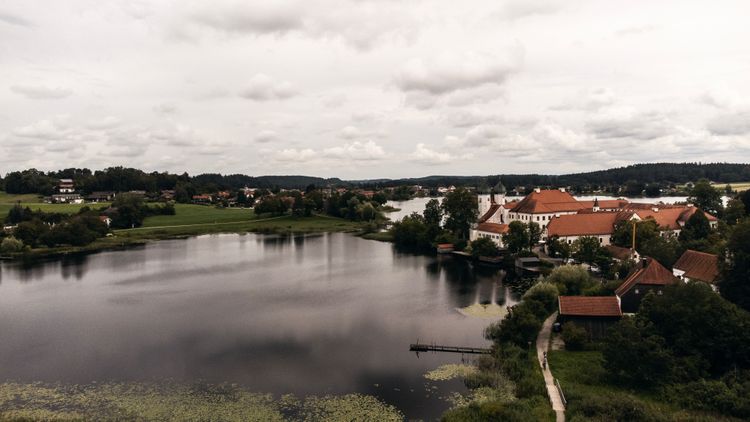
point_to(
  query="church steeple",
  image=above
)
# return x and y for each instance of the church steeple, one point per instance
(596, 205)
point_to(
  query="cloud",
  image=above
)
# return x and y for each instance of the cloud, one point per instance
(518, 9)
(450, 72)
(350, 132)
(425, 155)
(295, 155)
(14, 20)
(737, 123)
(642, 126)
(591, 100)
(165, 108)
(356, 151)
(636, 30)
(44, 129)
(359, 24)
(266, 136)
(38, 92)
(264, 88)
(108, 122)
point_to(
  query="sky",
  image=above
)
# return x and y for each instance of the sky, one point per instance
(372, 88)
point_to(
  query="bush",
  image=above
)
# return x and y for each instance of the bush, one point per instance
(613, 407)
(712, 396)
(575, 337)
(484, 247)
(544, 292)
(570, 279)
(11, 245)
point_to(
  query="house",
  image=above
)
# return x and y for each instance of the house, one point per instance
(541, 205)
(648, 276)
(66, 186)
(66, 198)
(671, 218)
(492, 231)
(697, 266)
(202, 199)
(103, 196)
(600, 225)
(622, 254)
(167, 195)
(593, 313)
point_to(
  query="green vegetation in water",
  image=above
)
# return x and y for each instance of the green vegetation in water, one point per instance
(450, 371)
(489, 311)
(178, 402)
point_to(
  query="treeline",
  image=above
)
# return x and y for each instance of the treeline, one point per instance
(122, 179)
(33, 229)
(638, 174)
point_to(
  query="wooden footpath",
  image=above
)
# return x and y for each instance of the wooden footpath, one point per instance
(418, 347)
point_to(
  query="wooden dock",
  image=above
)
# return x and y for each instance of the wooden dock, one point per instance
(418, 347)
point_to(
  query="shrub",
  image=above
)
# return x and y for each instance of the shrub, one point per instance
(575, 337)
(570, 279)
(614, 407)
(11, 245)
(544, 292)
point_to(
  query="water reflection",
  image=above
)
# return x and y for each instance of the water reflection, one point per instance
(316, 314)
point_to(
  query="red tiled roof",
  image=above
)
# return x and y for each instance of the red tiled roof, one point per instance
(547, 201)
(618, 252)
(599, 306)
(699, 265)
(607, 204)
(670, 216)
(510, 205)
(493, 228)
(585, 224)
(489, 213)
(652, 273)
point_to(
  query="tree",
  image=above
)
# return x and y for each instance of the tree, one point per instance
(11, 245)
(734, 212)
(461, 211)
(653, 190)
(745, 198)
(516, 238)
(575, 337)
(586, 249)
(411, 232)
(696, 228)
(557, 248)
(634, 188)
(634, 356)
(734, 283)
(544, 292)
(570, 279)
(433, 217)
(706, 197)
(484, 247)
(666, 250)
(644, 230)
(535, 234)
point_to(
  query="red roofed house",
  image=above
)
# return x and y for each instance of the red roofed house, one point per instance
(648, 276)
(600, 225)
(672, 218)
(698, 266)
(540, 206)
(594, 313)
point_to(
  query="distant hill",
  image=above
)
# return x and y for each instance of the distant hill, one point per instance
(663, 173)
(266, 182)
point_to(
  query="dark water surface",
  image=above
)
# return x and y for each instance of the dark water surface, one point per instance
(304, 315)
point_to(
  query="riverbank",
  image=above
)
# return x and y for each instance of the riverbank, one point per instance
(127, 238)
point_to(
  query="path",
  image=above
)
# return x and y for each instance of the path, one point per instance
(542, 345)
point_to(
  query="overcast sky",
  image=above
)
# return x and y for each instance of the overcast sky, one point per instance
(372, 88)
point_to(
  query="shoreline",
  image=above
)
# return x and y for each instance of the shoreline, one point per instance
(130, 238)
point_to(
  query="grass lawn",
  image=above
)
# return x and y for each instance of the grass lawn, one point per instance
(199, 214)
(7, 201)
(581, 375)
(284, 224)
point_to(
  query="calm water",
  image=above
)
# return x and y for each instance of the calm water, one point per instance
(305, 315)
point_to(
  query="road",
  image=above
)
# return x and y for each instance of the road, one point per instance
(542, 346)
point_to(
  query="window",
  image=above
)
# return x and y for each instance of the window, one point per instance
(637, 291)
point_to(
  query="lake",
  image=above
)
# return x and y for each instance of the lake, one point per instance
(315, 314)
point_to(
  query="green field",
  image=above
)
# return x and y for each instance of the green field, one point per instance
(7, 201)
(739, 186)
(199, 214)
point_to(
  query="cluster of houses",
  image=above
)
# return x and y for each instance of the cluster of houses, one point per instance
(597, 313)
(561, 215)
